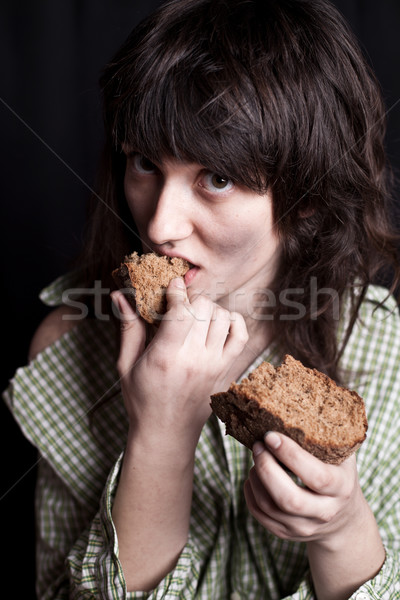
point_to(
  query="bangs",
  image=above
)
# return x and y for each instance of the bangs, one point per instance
(178, 119)
(175, 120)
(178, 95)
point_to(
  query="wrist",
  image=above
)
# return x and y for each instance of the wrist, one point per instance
(164, 450)
(360, 524)
(344, 560)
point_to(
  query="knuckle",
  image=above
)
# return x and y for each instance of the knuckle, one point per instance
(203, 308)
(221, 314)
(291, 504)
(125, 327)
(243, 337)
(241, 329)
(305, 530)
(202, 302)
(238, 341)
(327, 516)
(122, 367)
(163, 362)
(189, 368)
(323, 480)
(347, 494)
(182, 312)
(127, 322)
(175, 298)
(262, 466)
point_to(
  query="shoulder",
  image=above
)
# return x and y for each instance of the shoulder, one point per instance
(378, 324)
(380, 312)
(380, 296)
(54, 326)
(371, 356)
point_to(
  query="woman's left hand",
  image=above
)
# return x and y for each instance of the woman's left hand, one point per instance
(327, 510)
(329, 501)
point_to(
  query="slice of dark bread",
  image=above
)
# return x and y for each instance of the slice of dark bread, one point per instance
(145, 279)
(327, 420)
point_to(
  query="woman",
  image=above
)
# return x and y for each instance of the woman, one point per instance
(246, 137)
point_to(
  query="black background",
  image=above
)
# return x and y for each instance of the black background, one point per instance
(51, 53)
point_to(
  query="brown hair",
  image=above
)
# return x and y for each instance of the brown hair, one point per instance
(274, 94)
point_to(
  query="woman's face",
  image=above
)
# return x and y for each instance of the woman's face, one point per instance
(224, 230)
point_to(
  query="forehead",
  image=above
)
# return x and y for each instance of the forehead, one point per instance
(165, 162)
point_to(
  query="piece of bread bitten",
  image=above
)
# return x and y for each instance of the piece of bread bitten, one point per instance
(145, 279)
(326, 420)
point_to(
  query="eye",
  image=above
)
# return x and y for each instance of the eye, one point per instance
(142, 164)
(214, 182)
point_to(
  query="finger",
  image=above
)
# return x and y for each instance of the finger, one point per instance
(176, 293)
(296, 527)
(238, 335)
(262, 498)
(321, 477)
(177, 321)
(202, 311)
(133, 333)
(219, 328)
(275, 526)
(289, 497)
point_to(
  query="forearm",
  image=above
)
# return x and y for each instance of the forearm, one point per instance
(166, 390)
(151, 511)
(340, 566)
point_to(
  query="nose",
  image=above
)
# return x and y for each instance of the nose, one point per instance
(171, 219)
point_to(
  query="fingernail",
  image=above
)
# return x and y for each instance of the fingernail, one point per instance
(179, 283)
(272, 440)
(258, 448)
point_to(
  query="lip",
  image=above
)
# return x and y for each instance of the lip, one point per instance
(190, 275)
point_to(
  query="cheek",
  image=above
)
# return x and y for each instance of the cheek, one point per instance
(227, 234)
(245, 237)
(254, 248)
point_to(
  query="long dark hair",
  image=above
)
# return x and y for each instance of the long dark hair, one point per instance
(274, 94)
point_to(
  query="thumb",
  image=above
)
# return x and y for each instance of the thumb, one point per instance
(176, 293)
(133, 333)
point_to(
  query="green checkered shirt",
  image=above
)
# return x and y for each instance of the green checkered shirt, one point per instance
(68, 404)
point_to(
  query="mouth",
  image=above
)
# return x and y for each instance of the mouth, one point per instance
(193, 268)
(191, 274)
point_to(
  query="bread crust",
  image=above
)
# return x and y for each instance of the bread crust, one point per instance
(327, 420)
(144, 280)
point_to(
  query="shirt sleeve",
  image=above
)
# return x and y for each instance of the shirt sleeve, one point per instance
(79, 559)
(384, 586)
(372, 367)
(58, 400)
(373, 358)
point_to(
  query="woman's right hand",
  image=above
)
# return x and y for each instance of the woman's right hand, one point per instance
(167, 386)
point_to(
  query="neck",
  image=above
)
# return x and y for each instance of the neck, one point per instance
(254, 309)
(259, 337)
(260, 332)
